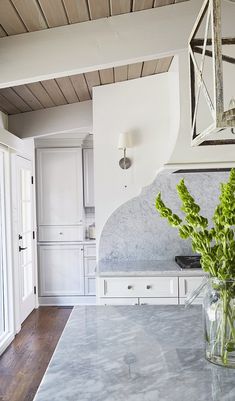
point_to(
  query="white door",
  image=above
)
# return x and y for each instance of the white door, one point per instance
(25, 238)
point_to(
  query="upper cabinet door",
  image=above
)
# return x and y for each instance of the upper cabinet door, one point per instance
(88, 162)
(59, 184)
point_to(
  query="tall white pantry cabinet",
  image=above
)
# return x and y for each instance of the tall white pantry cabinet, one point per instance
(60, 205)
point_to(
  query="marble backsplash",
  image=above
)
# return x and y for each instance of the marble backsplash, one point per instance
(135, 231)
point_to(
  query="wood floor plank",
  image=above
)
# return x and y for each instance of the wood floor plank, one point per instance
(80, 86)
(54, 92)
(67, 89)
(99, 9)
(106, 76)
(118, 7)
(120, 73)
(54, 12)
(7, 107)
(92, 79)
(28, 97)
(77, 10)
(139, 5)
(2, 32)
(41, 94)
(149, 68)
(163, 64)
(32, 16)
(24, 363)
(12, 97)
(160, 3)
(9, 19)
(134, 70)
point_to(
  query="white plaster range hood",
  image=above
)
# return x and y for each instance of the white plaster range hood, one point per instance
(182, 155)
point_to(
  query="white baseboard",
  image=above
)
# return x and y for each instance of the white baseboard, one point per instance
(67, 301)
(7, 342)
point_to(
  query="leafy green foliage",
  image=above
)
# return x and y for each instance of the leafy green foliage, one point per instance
(217, 244)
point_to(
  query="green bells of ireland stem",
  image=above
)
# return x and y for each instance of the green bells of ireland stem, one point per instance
(216, 245)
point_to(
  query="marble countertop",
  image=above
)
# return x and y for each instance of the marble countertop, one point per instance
(134, 353)
(145, 268)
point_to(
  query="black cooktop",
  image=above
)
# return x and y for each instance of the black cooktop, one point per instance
(189, 262)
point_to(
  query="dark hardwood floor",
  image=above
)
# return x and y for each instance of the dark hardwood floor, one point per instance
(23, 364)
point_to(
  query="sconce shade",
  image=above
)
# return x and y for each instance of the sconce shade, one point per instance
(124, 141)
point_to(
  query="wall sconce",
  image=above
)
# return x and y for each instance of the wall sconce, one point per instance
(124, 143)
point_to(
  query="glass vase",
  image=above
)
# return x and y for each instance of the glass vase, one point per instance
(219, 322)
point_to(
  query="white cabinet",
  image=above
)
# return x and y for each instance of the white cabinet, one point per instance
(119, 301)
(89, 269)
(88, 173)
(188, 285)
(60, 233)
(158, 301)
(161, 287)
(61, 270)
(59, 186)
(159, 290)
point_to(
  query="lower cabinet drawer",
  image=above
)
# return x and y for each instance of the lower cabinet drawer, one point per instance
(90, 286)
(139, 287)
(158, 301)
(60, 233)
(188, 285)
(118, 301)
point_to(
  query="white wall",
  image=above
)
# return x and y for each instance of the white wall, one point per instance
(183, 151)
(143, 108)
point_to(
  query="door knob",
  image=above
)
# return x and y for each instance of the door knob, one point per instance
(22, 249)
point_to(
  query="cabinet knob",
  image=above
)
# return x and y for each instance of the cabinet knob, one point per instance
(148, 287)
(61, 233)
(129, 287)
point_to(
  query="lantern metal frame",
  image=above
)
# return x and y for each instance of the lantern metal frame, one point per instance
(211, 11)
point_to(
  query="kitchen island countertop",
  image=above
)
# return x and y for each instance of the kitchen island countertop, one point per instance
(134, 353)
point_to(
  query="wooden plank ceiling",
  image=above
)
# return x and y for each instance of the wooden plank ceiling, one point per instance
(21, 16)
(76, 88)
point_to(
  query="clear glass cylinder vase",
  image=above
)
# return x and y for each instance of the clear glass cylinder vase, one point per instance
(219, 322)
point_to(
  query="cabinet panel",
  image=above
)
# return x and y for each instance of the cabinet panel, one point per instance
(88, 163)
(60, 233)
(90, 266)
(139, 287)
(59, 184)
(89, 250)
(118, 301)
(188, 284)
(90, 287)
(61, 270)
(158, 301)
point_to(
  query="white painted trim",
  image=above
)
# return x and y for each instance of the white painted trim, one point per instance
(98, 44)
(7, 244)
(67, 301)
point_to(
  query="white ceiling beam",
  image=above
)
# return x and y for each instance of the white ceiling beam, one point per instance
(98, 44)
(76, 117)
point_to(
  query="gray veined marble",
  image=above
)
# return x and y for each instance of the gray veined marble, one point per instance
(136, 232)
(143, 268)
(134, 353)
